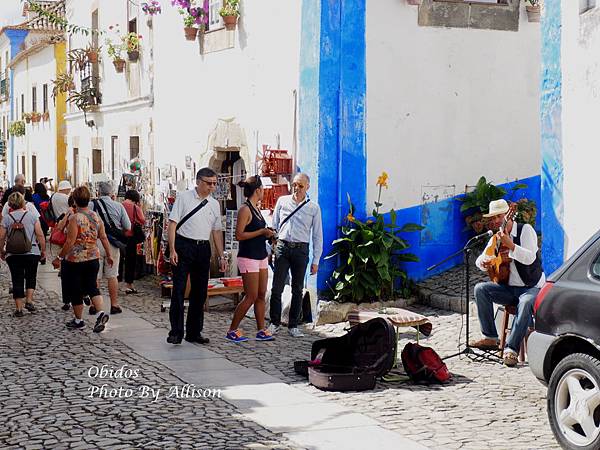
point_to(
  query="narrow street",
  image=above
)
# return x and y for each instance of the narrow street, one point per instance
(51, 372)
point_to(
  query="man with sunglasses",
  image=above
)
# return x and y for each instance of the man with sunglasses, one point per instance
(195, 216)
(297, 220)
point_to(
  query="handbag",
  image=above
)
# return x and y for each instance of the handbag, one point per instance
(58, 237)
(115, 235)
(138, 231)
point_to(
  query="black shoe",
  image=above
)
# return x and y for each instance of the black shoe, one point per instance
(198, 339)
(66, 307)
(101, 322)
(74, 325)
(18, 313)
(171, 339)
(115, 310)
(92, 310)
(87, 301)
(29, 307)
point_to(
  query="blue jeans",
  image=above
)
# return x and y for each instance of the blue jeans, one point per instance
(488, 293)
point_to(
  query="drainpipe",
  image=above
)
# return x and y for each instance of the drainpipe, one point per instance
(10, 169)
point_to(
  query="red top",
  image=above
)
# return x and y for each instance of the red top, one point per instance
(131, 209)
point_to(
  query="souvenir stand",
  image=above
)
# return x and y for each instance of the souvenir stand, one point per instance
(277, 166)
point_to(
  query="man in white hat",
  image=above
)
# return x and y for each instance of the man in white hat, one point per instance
(60, 199)
(524, 282)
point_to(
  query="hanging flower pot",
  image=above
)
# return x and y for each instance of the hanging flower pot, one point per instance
(119, 65)
(190, 33)
(414, 2)
(46, 116)
(533, 13)
(27, 117)
(133, 55)
(92, 56)
(35, 117)
(230, 22)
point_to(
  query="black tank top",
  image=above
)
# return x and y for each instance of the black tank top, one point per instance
(254, 248)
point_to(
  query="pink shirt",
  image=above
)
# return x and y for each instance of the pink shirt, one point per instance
(135, 214)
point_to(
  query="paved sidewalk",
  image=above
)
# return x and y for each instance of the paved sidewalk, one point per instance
(165, 397)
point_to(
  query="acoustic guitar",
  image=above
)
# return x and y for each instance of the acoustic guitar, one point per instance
(499, 266)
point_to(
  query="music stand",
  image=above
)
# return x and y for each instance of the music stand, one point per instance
(468, 350)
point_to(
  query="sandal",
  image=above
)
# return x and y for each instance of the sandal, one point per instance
(130, 291)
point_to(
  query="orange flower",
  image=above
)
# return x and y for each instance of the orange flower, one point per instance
(382, 180)
(350, 217)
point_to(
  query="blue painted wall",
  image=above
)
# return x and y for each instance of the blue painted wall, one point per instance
(16, 39)
(445, 215)
(342, 90)
(553, 251)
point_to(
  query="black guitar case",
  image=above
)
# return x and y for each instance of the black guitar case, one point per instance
(352, 362)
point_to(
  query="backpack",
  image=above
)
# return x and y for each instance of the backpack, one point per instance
(423, 364)
(47, 213)
(17, 242)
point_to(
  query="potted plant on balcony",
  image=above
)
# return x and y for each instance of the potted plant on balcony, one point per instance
(189, 29)
(17, 128)
(533, 10)
(27, 117)
(92, 53)
(63, 84)
(35, 117)
(131, 42)
(115, 53)
(230, 13)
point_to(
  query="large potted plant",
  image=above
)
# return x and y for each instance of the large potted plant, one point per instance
(230, 13)
(64, 83)
(92, 53)
(370, 255)
(533, 10)
(115, 53)
(189, 29)
(131, 42)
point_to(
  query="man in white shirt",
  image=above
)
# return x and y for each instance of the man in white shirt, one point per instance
(190, 228)
(524, 282)
(60, 199)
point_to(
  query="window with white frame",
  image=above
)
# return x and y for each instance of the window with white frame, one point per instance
(214, 19)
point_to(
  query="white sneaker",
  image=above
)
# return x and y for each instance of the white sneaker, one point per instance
(295, 332)
(273, 329)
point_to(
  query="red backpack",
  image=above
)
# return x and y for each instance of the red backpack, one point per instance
(423, 364)
(47, 213)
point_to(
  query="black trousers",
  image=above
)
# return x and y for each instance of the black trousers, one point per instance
(130, 260)
(292, 258)
(194, 260)
(23, 272)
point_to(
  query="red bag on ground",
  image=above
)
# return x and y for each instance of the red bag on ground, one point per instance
(424, 365)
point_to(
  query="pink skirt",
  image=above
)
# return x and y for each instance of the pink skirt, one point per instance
(247, 265)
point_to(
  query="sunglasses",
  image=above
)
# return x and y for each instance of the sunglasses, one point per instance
(299, 186)
(210, 183)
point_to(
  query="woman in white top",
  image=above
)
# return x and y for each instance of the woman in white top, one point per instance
(23, 266)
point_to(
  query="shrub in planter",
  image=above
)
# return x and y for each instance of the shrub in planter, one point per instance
(131, 43)
(370, 256)
(230, 13)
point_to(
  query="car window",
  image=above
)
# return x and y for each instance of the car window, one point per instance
(595, 269)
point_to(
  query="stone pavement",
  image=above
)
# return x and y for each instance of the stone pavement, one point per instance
(64, 389)
(46, 366)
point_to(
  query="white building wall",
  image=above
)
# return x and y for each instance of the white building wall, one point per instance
(581, 109)
(253, 82)
(125, 110)
(40, 138)
(447, 105)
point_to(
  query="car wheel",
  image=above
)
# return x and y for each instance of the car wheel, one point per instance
(574, 402)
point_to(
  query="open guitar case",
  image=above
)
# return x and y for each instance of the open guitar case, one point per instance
(351, 362)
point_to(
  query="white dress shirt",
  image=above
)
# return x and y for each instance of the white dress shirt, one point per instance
(524, 253)
(201, 224)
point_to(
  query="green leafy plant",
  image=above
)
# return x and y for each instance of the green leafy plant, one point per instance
(370, 256)
(64, 83)
(77, 59)
(114, 50)
(526, 211)
(132, 41)
(188, 21)
(17, 128)
(26, 117)
(533, 2)
(230, 8)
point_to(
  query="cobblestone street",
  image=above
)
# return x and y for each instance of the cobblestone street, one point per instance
(45, 398)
